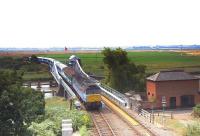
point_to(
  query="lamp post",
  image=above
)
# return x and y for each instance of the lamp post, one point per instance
(163, 108)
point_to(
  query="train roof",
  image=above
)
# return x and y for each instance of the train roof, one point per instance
(60, 65)
(46, 58)
(73, 57)
(81, 79)
(85, 81)
(69, 71)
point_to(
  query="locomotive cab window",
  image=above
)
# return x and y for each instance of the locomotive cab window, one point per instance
(93, 90)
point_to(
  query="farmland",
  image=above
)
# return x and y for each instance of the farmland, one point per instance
(93, 62)
(154, 60)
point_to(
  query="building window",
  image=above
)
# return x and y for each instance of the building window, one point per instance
(148, 93)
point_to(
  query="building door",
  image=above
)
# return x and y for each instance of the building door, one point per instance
(172, 102)
(187, 100)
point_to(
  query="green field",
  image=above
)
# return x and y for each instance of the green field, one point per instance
(155, 61)
(41, 75)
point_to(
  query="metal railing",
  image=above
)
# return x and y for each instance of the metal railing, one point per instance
(115, 96)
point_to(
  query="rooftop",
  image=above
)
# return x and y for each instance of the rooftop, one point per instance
(171, 76)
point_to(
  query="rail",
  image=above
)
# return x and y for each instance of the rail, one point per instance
(101, 124)
(127, 117)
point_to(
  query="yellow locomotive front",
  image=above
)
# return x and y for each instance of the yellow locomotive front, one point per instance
(93, 97)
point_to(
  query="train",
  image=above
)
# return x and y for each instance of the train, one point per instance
(86, 89)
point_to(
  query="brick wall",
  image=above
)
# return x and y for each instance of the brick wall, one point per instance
(172, 89)
(151, 90)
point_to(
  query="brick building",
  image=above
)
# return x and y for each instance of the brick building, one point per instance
(178, 88)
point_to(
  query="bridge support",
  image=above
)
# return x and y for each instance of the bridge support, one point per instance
(52, 83)
(29, 84)
(61, 92)
(39, 84)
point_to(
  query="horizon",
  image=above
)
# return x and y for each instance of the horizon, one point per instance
(138, 46)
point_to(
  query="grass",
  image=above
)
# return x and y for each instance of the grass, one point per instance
(181, 127)
(176, 126)
(155, 61)
(56, 101)
(160, 60)
(33, 76)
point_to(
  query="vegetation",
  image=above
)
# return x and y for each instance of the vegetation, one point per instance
(11, 63)
(34, 59)
(196, 111)
(153, 60)
(83, 131)
(31, 70)
(19, 106)
(57, 109)
(175, 125)
(193, 129)
(23, 110)
(123, 75)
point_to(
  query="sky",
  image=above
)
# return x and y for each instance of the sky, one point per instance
(98, 23)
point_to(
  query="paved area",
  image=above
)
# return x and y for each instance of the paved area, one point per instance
(180, 114)
(157, 130)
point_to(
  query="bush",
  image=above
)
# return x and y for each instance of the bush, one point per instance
(55, 111)
(19, 106)
(196, 111)
(83, 131)
(193, 129)
(46, 128)
(101, 67)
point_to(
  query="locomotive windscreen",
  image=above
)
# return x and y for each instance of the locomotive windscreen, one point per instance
(93, 89)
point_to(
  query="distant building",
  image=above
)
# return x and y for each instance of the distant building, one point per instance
(66, 49)
(177, 88)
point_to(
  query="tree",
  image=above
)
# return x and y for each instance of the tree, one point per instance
(122, 74)
(34, 58)
(11, 63)
(19, 106)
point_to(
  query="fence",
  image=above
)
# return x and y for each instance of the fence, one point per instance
(147, 115)
(155, 117)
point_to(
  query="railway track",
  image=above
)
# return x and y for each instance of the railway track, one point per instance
(137, 126)
(112, 121)
(108, 123)
(102, 125)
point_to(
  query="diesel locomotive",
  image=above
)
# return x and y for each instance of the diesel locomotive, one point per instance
(85, 88)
